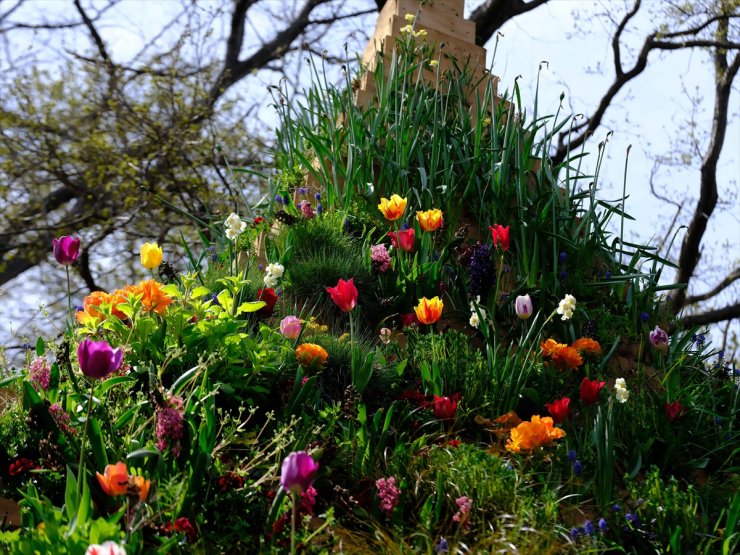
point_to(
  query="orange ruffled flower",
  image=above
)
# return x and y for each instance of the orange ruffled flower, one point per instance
(430, 220)
(528, 436)
(153, 299)
(567, 358)
(309, 353)
(587, 347)
(394, 208)
(551, 347)
(96, 299)
(429, 311)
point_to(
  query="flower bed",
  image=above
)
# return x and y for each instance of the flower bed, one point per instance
(349, 370)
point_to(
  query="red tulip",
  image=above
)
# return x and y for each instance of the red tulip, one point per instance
(270, 298)
(673, 410)
(409, 319)
(590, 391)
(559, 410)
(406, 239)
(344, 294)
(444, 408)
(500, 236)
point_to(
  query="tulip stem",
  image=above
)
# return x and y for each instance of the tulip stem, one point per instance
(294, 496)
(70, 323)
(498, 283)
(80, 467)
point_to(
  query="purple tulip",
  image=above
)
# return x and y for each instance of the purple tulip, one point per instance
(523, 306)
(98, 359)
(66, 249)
(659, 339)
(298, 472)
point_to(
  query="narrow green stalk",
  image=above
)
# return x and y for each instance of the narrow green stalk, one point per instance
(80, 467)
(70, 322)
(294, 497)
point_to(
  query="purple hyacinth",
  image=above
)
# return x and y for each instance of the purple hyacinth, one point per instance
(481, 270)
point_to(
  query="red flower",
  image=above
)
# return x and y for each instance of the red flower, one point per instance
(344, 294)
(406, 238)
(590, 391)
(500, 236)
(258, 220)
(673, 410)
(183, 526)
(408, 320)
(559, 410)
(268, 296)
(444, 408)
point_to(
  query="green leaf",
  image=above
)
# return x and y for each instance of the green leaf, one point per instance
(10, 379)
(183, 379)
(250, 306)
(71, 497)
(40, 347)
(95, 434)
(110, 383)
(143, 453)
(126, 417)
(199, 291)
(85, 506)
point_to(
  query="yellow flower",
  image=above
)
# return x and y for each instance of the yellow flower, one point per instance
(433, 63)
(409, 17)
(528, 436)
(429, 311)
(421, 33)
(394, 208)
(151, 255)
(430, 220)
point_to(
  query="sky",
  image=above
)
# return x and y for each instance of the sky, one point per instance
(650, 114)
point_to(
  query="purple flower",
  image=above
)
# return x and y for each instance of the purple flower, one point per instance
(608, 274)
(442, 546)
(279, 199)
(633, 519)
(380, 259)
(298, 472)
(169, 427)
(39, 372)
(388, 493)
(97, 358)
(659, 339)
(572, 455)
(563, 256)
(588, 528)
(481, 270)
(603, 526)
(302, 190)
(644, 316)
(616, 508)
(66, 249)
(577, 468)
(574, 533)
(317, 196)
(319, 208)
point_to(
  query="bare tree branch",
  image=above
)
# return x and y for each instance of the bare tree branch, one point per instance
(490, 16)
(721, 286)
(711, 316)
(567, 142)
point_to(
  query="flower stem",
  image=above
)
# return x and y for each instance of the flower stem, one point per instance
(294, 496)
(80, 466)
(70, 323)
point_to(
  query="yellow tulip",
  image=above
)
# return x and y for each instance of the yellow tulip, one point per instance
(394, 208)
(151, 255)
(430, 220)
(429, 311)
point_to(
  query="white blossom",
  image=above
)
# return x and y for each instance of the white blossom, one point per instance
(566, 307)
(476, 313)
(234, 226)
(621, 391)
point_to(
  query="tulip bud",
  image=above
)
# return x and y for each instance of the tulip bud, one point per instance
(523, 307)
(66, 249)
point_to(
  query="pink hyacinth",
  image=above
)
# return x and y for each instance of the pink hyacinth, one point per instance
(380, 259)
(388, 493)
(464, 505)
(62, 419)
(169, 426)
(39, 372)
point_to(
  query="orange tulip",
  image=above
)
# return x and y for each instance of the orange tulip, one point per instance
(114, 481)
(430, 220)
(528, 436)
(429, 311)
(141, 485)
(394, 208)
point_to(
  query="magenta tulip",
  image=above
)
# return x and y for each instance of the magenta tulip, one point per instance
(66, 249)
(298, 472)
(98, 359)
(523, 307)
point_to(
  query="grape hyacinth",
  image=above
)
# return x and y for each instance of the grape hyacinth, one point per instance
(388, 493)
(481, 270)
(169, 426)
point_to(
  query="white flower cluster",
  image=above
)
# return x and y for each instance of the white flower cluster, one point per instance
(620, 390)
(273, 273)
(234, 226)
(476, 315)
(566, 307)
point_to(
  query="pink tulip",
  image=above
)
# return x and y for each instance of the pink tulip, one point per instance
(66, 249)
(290, 327)
(97, 358)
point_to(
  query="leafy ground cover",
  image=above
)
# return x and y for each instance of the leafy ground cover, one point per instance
(425, 339)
